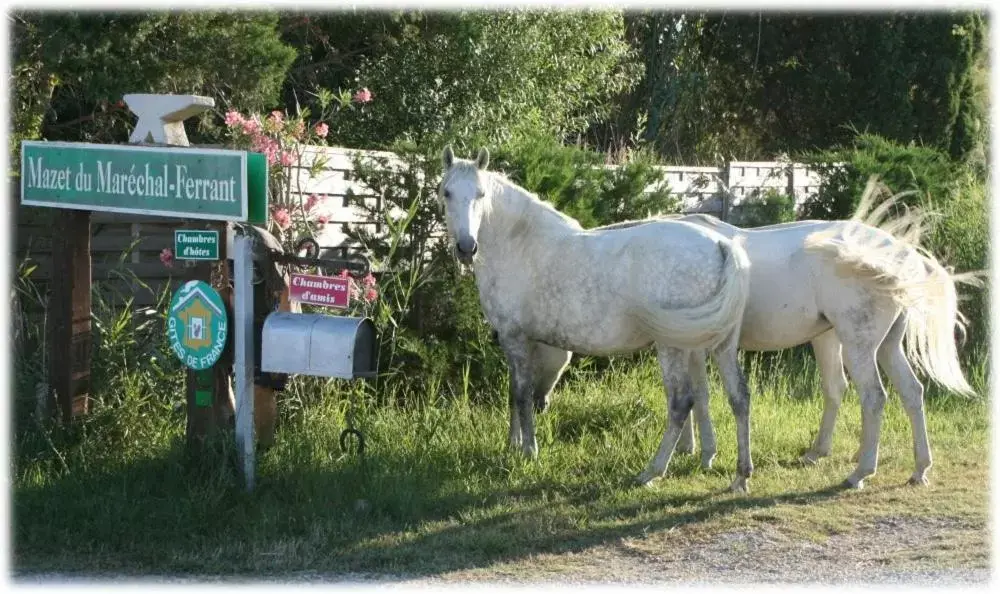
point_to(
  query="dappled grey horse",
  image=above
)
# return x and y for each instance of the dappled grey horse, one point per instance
(548, 287)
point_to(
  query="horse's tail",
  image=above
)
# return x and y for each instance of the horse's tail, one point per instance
(707, 325)
(916, 282)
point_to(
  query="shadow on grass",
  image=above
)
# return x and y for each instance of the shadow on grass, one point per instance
(174, 513)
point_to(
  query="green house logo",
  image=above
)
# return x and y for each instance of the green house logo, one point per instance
(197, 325)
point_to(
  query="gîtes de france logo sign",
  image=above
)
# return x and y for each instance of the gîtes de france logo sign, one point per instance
(197, 325)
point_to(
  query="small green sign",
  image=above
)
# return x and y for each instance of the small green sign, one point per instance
(190, 244)
(257, 188)
(212, 184)
(203, 398)
(197, 324)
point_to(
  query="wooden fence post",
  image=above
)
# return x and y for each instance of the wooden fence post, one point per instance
(68, 324)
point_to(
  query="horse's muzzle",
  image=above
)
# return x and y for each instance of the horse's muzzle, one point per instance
(466, 253)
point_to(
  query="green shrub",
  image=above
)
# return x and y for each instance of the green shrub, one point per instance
(770, 208)
(577, 182)
(927, 172)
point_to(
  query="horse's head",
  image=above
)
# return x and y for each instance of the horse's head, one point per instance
(463, 195)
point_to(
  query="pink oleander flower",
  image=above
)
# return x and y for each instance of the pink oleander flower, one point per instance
(322, 129)
(322, 219)
(345, 273)
(281, 218)
(277, 117)
(287, 158)
(266, 145)
(371, 294)
(363, 96)
(311, 201)
(234, 118)
(355, 289)
(368, 280)
(167, 257)
(251, 126)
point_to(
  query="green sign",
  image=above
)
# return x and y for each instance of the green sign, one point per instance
(196, 245)
(197, 324)
(194, 183)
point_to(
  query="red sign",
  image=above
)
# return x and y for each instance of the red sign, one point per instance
(328, 291)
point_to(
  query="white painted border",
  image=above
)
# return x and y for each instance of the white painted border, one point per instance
(242, 155)
(218, 246)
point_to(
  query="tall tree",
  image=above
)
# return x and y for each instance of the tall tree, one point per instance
(480, 74)
(751, 85)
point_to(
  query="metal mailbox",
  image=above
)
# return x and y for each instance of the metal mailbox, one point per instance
(317, 344)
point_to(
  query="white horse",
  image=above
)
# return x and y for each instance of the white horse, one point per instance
(547, 287)
(848, 288)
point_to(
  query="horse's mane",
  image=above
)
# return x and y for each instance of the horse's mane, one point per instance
(526, 209)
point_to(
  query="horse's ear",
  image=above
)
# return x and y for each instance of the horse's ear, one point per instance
(447, 157)
(483, 158)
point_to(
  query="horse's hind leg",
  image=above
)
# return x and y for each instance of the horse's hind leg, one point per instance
(697, 372)
(674, 364)
(685, 445)
(735, 384)
(549, 363)
(827, 349)
(859, 355)
(892, 359)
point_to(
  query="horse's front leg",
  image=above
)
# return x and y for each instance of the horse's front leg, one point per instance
(514, 434)
(522, 391)
(549, 363)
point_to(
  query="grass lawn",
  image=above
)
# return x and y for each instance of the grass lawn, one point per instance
(438, 493)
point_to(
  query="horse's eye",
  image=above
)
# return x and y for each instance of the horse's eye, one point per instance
(447, 194)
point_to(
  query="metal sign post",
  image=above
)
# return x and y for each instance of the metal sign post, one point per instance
(243, 352)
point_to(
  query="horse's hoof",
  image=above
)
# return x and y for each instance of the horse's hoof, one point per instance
(918, 481)
(739, 485)
(685, 448)
(810, 458)
(645, 479)
(706, 463)
(850, 483)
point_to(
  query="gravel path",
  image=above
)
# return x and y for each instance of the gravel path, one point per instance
(924, 552)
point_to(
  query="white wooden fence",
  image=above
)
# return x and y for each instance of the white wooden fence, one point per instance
(714, 190)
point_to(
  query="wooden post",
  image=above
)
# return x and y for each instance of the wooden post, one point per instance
(207, 393)
(68, 324)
